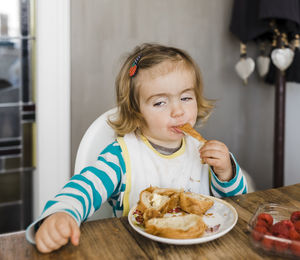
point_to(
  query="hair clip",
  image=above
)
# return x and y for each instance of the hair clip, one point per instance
(133, 69)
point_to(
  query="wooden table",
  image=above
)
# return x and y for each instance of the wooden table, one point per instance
(115, 239)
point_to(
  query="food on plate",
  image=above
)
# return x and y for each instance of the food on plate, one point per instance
(188, 129)
(154, 202)
(181, 227)
(195, 203)
(164, 191)
(172, 213)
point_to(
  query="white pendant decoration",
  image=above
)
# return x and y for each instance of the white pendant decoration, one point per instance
(263, 63)
(282, 58)
(244, 68)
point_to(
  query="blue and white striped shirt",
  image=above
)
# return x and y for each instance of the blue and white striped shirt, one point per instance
(105, 181)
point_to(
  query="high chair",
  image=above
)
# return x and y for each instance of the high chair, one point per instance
(96, 138)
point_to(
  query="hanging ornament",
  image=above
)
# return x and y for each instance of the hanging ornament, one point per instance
(245, 66)
(263, 61)
(282, 57)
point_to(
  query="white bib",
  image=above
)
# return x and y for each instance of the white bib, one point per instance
(145, 166)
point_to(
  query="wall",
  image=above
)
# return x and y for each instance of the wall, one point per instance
(52, 82)
(104, 30)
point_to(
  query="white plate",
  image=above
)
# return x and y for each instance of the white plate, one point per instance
(221, 216)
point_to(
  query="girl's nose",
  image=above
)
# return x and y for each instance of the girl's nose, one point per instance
(177, 110)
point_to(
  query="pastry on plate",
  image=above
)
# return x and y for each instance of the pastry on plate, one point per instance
(195, 203)
(181, 227)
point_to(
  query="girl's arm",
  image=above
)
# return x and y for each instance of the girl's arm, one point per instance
(86, 191)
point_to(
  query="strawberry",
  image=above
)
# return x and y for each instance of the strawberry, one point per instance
(267, 242)
(295, 248)
(265, 217)
(281, 244)
(282, 227)
(297, 225)
(295, 216)
(259, 232)
(263, 224)
(294, 235)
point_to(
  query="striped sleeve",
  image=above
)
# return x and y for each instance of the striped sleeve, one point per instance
(236, 186)
(85, 192)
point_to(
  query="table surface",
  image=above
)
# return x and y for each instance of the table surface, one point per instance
(115, 239)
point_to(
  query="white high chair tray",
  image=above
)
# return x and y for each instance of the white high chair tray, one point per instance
(220, 219)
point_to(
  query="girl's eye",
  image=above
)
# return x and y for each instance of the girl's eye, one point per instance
(157, 104)
(186, 98)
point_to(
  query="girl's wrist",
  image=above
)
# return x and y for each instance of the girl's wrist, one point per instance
(230, 174)
(225, 176)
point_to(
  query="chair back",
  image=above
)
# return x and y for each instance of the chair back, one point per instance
(96, 138)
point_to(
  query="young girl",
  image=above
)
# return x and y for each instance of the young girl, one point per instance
(159, 88)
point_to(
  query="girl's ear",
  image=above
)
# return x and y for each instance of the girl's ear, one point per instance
(140, 123)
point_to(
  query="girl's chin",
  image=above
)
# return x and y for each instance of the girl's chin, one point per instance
(176, 137)
(172, 143)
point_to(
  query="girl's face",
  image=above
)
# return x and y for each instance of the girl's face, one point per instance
(167, 101)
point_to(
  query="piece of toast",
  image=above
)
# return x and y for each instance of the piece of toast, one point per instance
(195, 203)
(189, 130)
(166, 191)
(181, 227)
(154, 203)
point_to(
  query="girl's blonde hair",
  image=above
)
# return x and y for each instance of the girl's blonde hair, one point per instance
(129, 117)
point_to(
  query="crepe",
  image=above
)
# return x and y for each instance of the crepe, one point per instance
(188, 129)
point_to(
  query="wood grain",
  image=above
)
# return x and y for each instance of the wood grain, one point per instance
(115, 239)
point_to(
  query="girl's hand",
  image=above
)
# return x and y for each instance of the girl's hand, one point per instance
(56, 231)
(216, 154)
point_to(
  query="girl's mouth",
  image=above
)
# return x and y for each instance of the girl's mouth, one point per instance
(177, 130)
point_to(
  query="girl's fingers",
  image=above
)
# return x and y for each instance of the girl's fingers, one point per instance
(57, 237)
(212, 162)
(214, 142)
(75, 233)
(48, 242)
(68, 228)
(214, 145)
(56, 231)
(213, 154)
(41, 246)
(63, 228)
